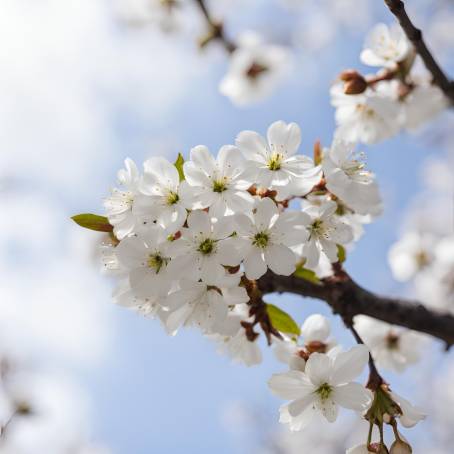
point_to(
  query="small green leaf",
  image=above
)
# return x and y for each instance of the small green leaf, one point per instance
(306, 274)
(281, 320)
(93, 222)
(341, 253)
(179, 165)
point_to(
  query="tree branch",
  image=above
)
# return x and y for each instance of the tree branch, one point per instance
(414, 34)
(216, 29)
(348, 299)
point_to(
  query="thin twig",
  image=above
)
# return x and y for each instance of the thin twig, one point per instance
(414, 34)
(216, 29)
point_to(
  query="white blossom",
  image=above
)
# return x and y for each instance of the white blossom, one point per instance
(255, 70)
(274, 163)
(231, 338)
(392, 347)
(424, 102)
(203, 249)
(411, 414)
(264, 239)
(326, 231)
(119, 205)
(386, 46)
(411, 254)
(325, 384)
(218, 183)
(196, 304)
(347, 178)
(369, 117)
(163, 197)
(145, 257)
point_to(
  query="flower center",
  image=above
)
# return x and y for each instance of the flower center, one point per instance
(324, 391)
(206, 246)
(261, 240)
(274, 163)
(219, 186)
(172, 198)
(155, 261)
(392, 341)
(255, 70)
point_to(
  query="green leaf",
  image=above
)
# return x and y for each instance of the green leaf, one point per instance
(93, 222)
(341, 253)
(281, 320)
(179, 165)
(306, 274)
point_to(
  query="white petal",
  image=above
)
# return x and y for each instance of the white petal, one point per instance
(199, 222)
(283, 137)
(352, 396)
(254, 264)
(266, 213)
(318, 368)
(290, 385)
(299, 406)
(280, 259)
(348, 365)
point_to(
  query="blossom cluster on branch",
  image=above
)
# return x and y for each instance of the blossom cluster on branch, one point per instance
(190, 241)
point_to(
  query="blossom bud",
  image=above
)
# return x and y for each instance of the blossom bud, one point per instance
(355, 86)
(400, 447)
(355, 83)
(378, 448)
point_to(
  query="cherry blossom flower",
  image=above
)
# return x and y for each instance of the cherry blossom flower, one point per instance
(264, 239)
(275, 163)
(119, 205)
(255, 70)
(164, 198)
(201, 305)
(326, 231)
(386, 46)
(145, 257)
(411, 254)
(347, 178)
(369, 117)
(218, 183)
(325, 384)
(203, 249)
(424, 102)
(411, 414)
(231, 338)
(392, 347)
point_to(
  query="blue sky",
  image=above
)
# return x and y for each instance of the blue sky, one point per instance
(149, 392)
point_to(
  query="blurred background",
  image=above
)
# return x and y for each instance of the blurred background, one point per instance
(85, 84)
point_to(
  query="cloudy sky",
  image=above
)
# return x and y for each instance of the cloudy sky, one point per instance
(80, 91)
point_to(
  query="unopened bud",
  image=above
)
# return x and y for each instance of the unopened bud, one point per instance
(378, 448)
(349, 74)
(355, 86)
(355, 83)
(400, 447)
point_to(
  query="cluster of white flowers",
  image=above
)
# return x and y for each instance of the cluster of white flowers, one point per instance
(189, 237)
(376, 107)
(320, 376)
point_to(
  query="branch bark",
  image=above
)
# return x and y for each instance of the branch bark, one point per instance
(348, 299)
(414, 34)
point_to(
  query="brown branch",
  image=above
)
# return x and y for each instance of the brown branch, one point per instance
(348, 299)
(414, 34)
(216, 29)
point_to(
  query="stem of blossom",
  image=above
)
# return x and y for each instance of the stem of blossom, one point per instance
(414, 34)
(375, 379)
(216, 29)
